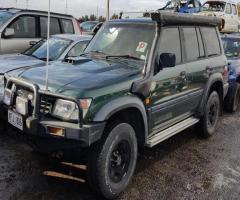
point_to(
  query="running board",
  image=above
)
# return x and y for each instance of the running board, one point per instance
(173, 130)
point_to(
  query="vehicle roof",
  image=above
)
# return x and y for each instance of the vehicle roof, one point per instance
(73, 37)
(17, 10)
(227, 1)
(167, 18)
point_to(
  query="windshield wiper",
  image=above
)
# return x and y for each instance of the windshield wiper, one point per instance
(97, 52)
(123, 56)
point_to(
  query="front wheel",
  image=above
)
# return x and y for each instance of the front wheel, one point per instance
(209, 121)
(112, 161)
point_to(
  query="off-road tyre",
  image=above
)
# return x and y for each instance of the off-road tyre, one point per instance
(111, 162)
(207, 125)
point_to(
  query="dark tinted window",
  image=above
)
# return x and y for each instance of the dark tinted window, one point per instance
(212, 42)
(200, 44)
(67, 26)
(170, 43)
(24, 27)
(191, 44)
(54, 26)
(229, 9)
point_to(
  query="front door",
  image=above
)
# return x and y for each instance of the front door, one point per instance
(169, 87)
(25, 28)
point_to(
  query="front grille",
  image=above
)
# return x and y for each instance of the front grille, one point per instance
(46, 104)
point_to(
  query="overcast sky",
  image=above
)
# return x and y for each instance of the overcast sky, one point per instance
(82, 7)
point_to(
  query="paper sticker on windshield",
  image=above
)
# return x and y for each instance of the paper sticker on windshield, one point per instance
(141, 47)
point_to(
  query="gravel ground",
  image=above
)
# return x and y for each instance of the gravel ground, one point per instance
(183, 167)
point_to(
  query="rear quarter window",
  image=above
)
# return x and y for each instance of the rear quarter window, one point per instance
(211, 40)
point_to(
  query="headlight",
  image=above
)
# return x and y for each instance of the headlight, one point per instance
(68, 110)
(7, 99)
(1, 87)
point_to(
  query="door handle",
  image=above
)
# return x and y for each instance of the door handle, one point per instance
(209, 69)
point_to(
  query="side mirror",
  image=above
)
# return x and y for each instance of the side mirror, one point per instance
(9, 32)
(166, 60)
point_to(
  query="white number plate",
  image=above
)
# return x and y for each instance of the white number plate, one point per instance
(15, 119)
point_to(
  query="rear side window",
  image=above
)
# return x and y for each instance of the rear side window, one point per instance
(170, 43)
(234, 8)
(54, 26)
(211, 40)
(24, 27)
(229, 8)
(67, 26)
(191, 44)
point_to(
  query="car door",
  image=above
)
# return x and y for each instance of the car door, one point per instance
(25, 32)
(229, 24)
(169, 86)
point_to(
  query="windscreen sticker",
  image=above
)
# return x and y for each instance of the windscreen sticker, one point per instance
(142, 46)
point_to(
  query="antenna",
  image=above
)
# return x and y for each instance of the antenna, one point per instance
(66, 9)
(27, 1)
(107, 10)
(16, 3)
(48, 36)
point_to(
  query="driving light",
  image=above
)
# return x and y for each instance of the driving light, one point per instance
(22, 106)
(7, 99)
(67, 110)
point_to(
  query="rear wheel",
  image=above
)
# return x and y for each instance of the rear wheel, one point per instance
(209, 121)
(112, 161)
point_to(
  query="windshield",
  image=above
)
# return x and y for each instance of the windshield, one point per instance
(4, 16)
(231, 47)
(214, 6)
(56, 47)
(118, 39)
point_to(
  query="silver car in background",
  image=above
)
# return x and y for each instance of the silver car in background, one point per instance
(61, 47)
(19, 29)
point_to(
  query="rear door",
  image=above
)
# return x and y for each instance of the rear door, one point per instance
(25, 27)
(169, 87)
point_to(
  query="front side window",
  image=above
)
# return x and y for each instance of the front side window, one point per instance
(124, 40)
(191, 44)
(24, 27)
(234, 7)
(4, 17)
(231, 47)
(56, 47)
(229, 9)
(211, 40)
(170, 43)
(78, 49)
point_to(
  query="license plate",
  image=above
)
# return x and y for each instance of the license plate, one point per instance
(15, 119)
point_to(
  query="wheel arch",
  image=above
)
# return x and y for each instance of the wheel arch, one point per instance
(126, 108)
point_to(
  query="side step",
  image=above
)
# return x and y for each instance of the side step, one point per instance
(173, 130)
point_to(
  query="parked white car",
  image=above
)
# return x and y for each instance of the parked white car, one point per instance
(225, 9)
(20, 29)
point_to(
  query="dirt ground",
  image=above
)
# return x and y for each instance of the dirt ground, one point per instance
(183, 167)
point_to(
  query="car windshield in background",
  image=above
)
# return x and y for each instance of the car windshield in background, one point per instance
(231, 47)
(214, 6)
(88, 26)
(123, 41)
(4, 16)
(56, 47)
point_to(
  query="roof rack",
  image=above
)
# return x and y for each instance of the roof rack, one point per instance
(169, 18)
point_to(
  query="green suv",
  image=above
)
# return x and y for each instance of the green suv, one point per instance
(139, 82)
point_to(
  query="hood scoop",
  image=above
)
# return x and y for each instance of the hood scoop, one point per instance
(77, 60)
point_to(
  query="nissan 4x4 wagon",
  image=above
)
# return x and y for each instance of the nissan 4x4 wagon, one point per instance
(20, 29)
(139, 82)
